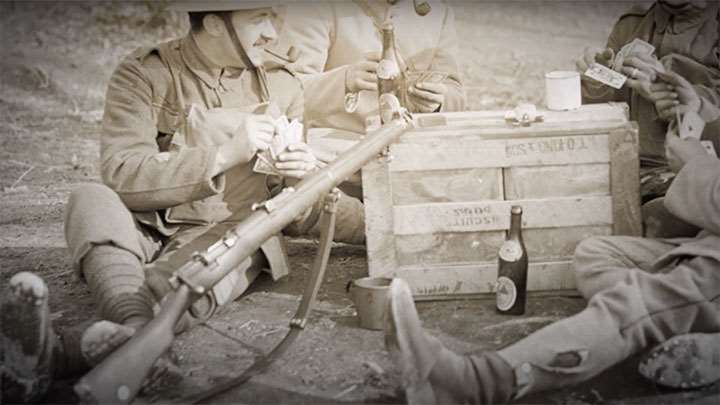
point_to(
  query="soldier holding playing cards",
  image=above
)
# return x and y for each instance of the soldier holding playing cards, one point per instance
(679, 35)
(659, 296)
(184, 122)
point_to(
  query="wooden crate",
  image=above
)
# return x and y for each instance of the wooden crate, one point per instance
(438, 205)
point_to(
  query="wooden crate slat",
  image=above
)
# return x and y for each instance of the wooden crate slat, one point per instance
(436, 249)
(454, 185)
(494, 215)
(556, 181)
(481, 277)
(442, 154)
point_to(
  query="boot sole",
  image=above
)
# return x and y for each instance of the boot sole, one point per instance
(684, 361)
(26, 338)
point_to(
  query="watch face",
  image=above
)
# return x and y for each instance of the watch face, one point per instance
(510, 251)
(505, 293)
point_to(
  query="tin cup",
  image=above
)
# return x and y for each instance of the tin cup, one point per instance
(370, 295)
(562, 90)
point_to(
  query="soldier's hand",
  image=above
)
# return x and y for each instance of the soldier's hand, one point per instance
(297, 161)
(603, 56)
(254, 133)
(259, 130)
(680, 151)
(362, 75)
(679, 97)
(427, 96)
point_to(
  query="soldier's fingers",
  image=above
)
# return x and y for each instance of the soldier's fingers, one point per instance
(366, 85)
(638, 66)
(581, 66)
(373, 56)
(659, 86)
(299, 146)
(635, 74)
(665, 104)
(667, 114)
(296, 157)
(367, 67)
(437, 88)
(426, 95)
(369, 77)
(656, 96)
(297, 174)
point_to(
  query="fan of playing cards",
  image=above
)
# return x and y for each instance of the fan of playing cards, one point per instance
(609, 75)
(286, 134)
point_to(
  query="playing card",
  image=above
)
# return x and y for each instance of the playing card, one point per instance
(691, 125)
(606, 75)
(636, 47)
(640, 47)
(286, 134)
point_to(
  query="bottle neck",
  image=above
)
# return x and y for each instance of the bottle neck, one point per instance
(515, 231)
(388, 44)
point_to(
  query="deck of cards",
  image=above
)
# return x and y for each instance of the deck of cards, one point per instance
(610, 75)
(286, 134)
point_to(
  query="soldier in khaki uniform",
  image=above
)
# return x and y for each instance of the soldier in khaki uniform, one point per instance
(339, 46)
(642, 292)
(183, 122)
(686, 37)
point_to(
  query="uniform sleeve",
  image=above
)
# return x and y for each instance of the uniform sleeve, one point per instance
(694, 195)
(446, 61)
(131, 162)
(309, 28)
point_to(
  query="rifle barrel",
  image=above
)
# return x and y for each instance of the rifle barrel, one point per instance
(118, 378)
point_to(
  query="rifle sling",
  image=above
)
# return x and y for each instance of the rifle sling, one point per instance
(297, 323)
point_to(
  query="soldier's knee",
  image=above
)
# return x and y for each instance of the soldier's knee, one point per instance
(91, 196)
(587, 255)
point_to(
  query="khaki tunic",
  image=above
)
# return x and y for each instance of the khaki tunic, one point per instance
(331, 36)
(687, 45)
(161, 171)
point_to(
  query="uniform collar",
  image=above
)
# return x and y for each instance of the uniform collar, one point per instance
(665, 21)
(208, 72)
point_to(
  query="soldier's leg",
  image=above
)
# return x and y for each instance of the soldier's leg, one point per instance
(639, 311)
(349, 221)
(601, 262)
(110, 248)
(180, 250)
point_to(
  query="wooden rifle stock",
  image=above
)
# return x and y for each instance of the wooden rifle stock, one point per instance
(118, 378)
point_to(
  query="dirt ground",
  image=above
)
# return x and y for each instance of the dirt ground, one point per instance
(54, 64)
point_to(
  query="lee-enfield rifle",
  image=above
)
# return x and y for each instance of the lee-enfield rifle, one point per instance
(118, 378)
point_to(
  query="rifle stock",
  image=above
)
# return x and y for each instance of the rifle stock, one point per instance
(118, 378)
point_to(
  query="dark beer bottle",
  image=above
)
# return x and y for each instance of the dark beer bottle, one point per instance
(512, 268)
(388, 69)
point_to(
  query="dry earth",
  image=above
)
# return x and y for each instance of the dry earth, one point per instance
(54, 63)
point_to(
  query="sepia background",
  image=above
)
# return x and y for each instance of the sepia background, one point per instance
(55, 60)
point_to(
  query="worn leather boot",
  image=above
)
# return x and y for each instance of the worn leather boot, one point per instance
(26, 339)
(684, 361)
(432, 374)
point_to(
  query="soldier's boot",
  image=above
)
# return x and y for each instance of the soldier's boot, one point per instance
(430, 373)
(103, 337)
(684, 361)
(26, 339)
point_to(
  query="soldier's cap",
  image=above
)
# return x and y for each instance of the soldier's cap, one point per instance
(225, 5)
